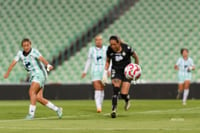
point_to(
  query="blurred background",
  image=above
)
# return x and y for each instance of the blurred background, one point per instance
(63, 31)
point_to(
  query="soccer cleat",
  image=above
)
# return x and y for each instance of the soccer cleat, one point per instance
(99, 110)
(59, 112)
(29, 117)
(127, 105)
(113, 114)
(184, 103)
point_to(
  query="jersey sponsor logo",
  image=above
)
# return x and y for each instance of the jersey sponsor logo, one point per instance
(99, 57)
(118, 58)
(27, 65)
(185, 66)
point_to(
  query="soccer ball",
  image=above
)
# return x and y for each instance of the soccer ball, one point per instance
(132, 71)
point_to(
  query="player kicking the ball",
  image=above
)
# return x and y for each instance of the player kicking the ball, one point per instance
(34, 63)
(184, 66)
(97, 59)
(120, 55)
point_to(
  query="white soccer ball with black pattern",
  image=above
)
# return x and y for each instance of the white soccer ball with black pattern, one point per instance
(132, 71)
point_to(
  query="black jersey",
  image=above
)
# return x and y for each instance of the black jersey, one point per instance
(122, 59)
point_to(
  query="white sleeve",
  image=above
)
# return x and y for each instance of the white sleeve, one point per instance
(17, 57)
(178, 62)
(87, 65)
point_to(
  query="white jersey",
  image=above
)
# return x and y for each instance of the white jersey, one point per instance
(97, 58)
(183, 65)
(31, 62)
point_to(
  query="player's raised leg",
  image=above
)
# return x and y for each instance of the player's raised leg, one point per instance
(125, 94)
(49, 104)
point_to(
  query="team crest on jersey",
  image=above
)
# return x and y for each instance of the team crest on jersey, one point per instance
(123, 53)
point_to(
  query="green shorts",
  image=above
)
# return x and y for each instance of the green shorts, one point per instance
(98, 75)
(39, 78)
(182, 77)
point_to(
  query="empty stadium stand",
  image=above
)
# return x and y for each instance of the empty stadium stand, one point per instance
(157, 30)
(51, 25)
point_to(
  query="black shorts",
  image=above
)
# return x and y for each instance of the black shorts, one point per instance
(119, 74)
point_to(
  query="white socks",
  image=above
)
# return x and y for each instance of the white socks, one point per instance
(185, 95)
(99, 97)
(32, 109)
(102, 97)
(51, 106)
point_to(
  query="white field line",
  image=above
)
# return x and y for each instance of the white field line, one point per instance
(16, 120)
(106, 114)
(168, 110)
(43, 118)
(161, 111)
(101, 129)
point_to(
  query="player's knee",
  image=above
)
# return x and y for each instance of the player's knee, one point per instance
(39, 98)
(116, 90)
(125, 96)
(115, 96)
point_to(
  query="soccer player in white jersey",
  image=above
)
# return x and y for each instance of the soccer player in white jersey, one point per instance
(34, 63)
(96, 59)
(184, 65)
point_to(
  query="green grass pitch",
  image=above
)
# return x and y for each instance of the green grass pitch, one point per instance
(79, 116)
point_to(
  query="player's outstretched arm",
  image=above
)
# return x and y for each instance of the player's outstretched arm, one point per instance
(176, 67)
(135, 56)
(83, 75)
(10, 69)
(46, 63)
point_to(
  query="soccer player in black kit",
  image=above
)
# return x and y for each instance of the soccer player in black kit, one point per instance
(120, 54)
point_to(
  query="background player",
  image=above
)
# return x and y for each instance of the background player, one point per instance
(120, 54)
(184, 65)
(97, 59)
(34, 63)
